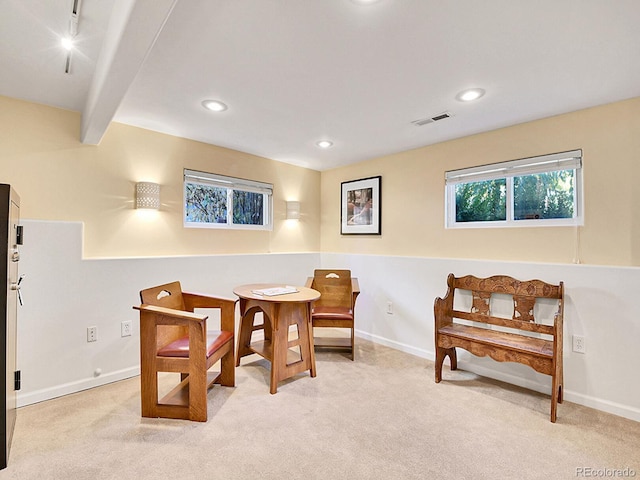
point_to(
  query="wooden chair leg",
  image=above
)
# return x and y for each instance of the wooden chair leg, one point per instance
(148, 374)
(228, 370)
(353, 344)
(198, 395)
(148, 394)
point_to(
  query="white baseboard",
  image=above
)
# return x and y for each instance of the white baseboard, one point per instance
(403, 347)
(603, 405)
(625, 411)
(74, 387)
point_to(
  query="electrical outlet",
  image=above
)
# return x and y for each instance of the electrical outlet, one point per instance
(390, 308)
(578, 344)
(92, 334)
(125, 328)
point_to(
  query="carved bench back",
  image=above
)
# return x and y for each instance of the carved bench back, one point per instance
(524, 294)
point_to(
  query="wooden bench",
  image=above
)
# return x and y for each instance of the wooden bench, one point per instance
(523, 340)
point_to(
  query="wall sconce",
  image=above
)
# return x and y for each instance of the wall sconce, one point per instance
(148, 195)
(293, 210)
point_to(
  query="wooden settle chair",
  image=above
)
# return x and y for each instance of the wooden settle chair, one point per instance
(527, 340)
(174, 339)
(336, 306)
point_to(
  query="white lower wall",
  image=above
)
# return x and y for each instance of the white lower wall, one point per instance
(600, 304)
(64, 294)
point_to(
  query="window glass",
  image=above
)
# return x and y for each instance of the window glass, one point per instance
(205, 204)
(481, 201)
(544, 190)
(544, 195)
(217, 201)
(248, 208)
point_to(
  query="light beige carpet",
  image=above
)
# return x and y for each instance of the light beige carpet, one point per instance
(380, 417)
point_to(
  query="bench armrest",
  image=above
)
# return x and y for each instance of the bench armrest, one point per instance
(443, 307)
(441, 314)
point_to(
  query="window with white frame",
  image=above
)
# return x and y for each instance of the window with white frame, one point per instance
(536, 191)
(217, 201)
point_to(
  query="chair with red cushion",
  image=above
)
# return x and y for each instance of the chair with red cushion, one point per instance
(175, 339)
(336, 306)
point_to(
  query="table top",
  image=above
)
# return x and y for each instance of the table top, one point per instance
(303, 294)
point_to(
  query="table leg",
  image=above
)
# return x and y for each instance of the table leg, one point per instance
(285, 364)
(312, 350)
(245, 332)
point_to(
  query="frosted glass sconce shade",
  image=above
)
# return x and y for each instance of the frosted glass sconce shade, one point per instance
(148, 195)
(293, 210)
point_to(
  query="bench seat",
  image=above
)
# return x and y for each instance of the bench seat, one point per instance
(512, 341)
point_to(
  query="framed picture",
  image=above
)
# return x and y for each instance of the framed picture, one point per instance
(360, 207)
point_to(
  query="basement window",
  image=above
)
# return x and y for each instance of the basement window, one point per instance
(217, 201)
(536, 191)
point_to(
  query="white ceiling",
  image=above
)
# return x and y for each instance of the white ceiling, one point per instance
(297, 71)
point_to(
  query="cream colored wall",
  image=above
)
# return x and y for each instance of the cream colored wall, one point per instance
(60, 179)
(413, 194)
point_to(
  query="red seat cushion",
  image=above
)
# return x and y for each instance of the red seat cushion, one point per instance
(338, 313)
(180, 347)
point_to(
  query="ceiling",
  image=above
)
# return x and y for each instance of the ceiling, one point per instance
(293, 72)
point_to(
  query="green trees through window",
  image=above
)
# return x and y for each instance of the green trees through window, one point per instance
(538, 190)
(543, 195)
(481, 201)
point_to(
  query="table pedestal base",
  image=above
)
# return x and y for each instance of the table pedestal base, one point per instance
(288, 357)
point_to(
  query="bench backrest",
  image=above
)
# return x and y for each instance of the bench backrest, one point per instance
(524, 295)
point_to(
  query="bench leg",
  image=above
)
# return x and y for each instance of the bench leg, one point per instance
(560, 388)
(557, 386)
(556, 395)
(453, 358)
(438, 366)
(441, 353)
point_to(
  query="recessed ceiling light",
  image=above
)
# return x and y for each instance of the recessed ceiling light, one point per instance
(67, 43)
(470, 94)
(214, 105)
(364, 2)
(324, 144)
